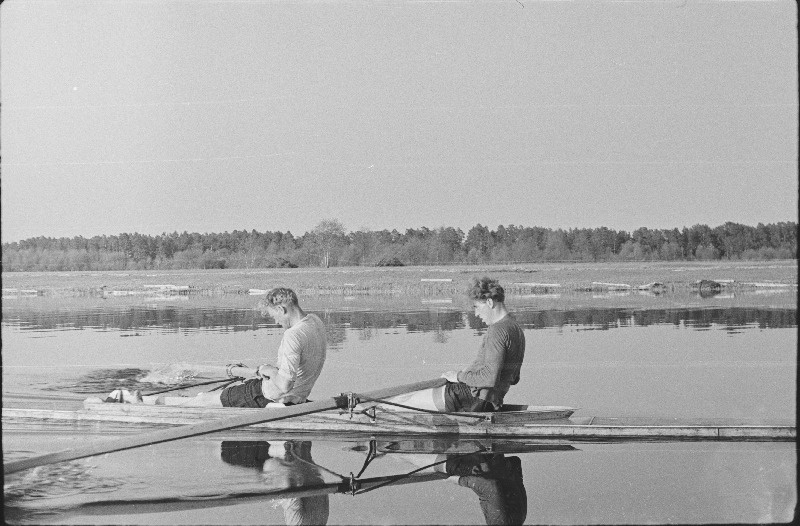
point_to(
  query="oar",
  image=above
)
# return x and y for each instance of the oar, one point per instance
(193, 502)
(258, 417)
(178, 388)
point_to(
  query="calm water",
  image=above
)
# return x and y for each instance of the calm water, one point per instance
(698, 362)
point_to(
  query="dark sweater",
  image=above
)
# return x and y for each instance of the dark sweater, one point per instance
(497, 366)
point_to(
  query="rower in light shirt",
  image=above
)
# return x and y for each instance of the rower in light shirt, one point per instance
(301, 356)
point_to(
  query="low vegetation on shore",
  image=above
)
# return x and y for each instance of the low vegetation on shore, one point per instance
(444, 281)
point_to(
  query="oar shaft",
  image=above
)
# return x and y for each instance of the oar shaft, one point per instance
(193, 502)
(258, 417)
(178, 388)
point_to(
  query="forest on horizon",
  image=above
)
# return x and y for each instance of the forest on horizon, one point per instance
(329, 245)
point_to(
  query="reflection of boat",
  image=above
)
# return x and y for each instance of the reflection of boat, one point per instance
(542, 422)
(455, 445)
(289, 477)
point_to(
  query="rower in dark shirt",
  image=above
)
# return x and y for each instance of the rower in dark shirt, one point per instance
(483, 384)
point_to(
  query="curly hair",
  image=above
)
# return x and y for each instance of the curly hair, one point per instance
(280, 296)
(486, 288)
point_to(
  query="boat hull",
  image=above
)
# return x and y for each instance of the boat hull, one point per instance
(534, 422)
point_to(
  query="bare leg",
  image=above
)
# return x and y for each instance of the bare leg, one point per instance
(211, 399)
(430, 399)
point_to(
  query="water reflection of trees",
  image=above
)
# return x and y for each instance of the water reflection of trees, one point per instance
(335, 333)
(439, 322)
(604, 319)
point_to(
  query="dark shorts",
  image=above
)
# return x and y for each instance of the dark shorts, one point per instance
(247, 394)
(458, 397)
(244, 453)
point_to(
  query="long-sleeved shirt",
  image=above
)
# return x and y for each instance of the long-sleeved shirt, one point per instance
(301, 356)
(497, 366)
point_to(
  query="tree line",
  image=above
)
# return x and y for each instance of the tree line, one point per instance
(328, 244)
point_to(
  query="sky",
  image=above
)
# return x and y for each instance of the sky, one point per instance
(212, 116)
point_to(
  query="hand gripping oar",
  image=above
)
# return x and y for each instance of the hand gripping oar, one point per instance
(267, 415)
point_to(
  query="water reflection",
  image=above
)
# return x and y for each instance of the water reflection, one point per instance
(287, 477)
(497, 481)
(482, 466)
(133, 320)
(284, 465)
(495, 478)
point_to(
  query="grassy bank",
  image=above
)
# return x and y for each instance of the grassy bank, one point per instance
(411, 281)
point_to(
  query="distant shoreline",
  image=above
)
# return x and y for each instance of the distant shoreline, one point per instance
(551, 282)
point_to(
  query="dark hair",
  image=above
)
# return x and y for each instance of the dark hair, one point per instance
(486, 288)
(281, 296)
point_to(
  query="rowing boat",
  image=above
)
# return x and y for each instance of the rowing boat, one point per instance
(515, 421)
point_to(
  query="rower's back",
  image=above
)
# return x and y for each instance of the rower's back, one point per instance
(301, 356)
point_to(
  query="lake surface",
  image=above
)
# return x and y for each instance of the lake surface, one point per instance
(706, 360)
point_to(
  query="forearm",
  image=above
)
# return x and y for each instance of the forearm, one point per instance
(282, 382)
(485, 376)
(485, 369)
(275, 385)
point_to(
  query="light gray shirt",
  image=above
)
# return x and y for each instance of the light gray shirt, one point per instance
(301, 356)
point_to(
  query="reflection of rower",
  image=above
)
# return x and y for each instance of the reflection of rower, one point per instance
(290, 474)
(497, 480)
(286, 465)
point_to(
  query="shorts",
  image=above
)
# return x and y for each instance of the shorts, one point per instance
(458, 397)
(243, 453)
(247, 394)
